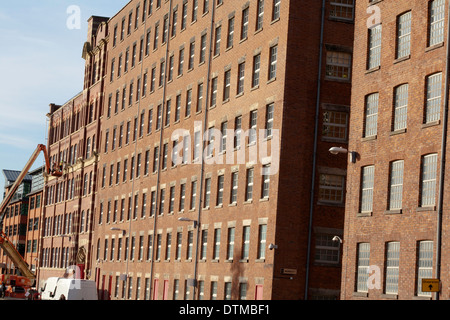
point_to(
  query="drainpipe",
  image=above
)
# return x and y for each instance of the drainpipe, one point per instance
(205, 128)
(443, 156)
(158, 179)
(316, 132)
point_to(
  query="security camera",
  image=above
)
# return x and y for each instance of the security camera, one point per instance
(336, 238)
(272, 246)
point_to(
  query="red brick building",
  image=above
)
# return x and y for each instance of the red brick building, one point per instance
(207, 175)
(15, 217)
(22, 217)
(73, 140)
(396, 219)
(177, 70)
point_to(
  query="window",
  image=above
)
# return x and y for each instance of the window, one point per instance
(218, 38)
(170, 75)
(428, 182)
(262, 235)
(220, 181)
(436, 22)
(184, 15)
(133, 58)
(214, 82)
(244, 24)
(161, 201)
(193, 194)
(237, 132)
(227, 85)
(404, 35)
(234, 187)
(367, 181)
(276, 9)
(168, 245)
(216, 251)
(273, 62)
(181, 61)
(230, 32)
(167, 115)
(190, 244)
(327, 250)
(269, 120)
(338, 65)
(362, 275)
(424, 265)
(174, 22)
(165, 155)
(204, 244)
(199, 97)
(392, 267)
(396, 185)
(260, 15)
(241, 78)
(191, 55)
(249, 186)
(194, 10)
(223, 140)
(245, 242)
(331, 188)
(374, 52)
(197, 147)
(230, 248)
(162, 73)
(156, 36)
(182, 196)
(172, 199)
(335, 125)
(177, 108)
(371, 116)
(265, 182)
(207, 191)
(433, 98)
(400, 107)
(256, 70)
(253, 125)
(342, 9)
(203, 48)
(178, 248)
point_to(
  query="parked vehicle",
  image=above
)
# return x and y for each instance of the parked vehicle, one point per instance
(69, 289)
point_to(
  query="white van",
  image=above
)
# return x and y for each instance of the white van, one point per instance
(68, 289)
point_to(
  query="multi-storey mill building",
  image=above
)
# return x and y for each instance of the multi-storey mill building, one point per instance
(211, 176)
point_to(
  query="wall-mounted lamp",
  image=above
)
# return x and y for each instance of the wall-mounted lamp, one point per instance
(118, 229)
(352, 154)
(189, 220)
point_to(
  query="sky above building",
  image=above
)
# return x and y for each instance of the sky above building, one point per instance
(40, 63)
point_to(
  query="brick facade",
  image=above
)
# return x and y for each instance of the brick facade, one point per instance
(386, 225)
(266, 78)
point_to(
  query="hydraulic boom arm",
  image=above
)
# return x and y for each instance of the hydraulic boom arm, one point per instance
(5, 244)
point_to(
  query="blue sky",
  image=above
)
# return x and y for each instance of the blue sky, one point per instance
(40, 63)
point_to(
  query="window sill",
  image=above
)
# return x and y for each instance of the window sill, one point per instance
(433, 47)
(373, 70)
(364, 214)
(396, 211)
(402, 59)
(361, 294)
(389, 296)
(431, 124)
(426, 209)
(396, 132)
(369, 138)
(330, 203)
(421, 298)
